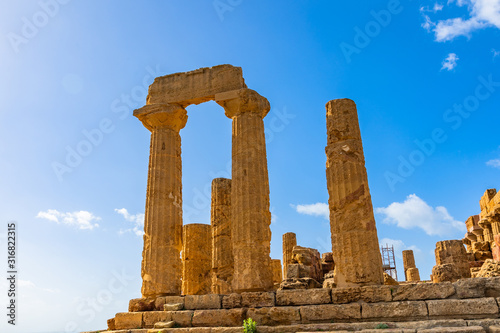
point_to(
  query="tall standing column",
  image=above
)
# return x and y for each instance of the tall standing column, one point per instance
(250, 214)
(289, 242)
(161, 262)
(196, 259)
(354, 235)
(222, 253)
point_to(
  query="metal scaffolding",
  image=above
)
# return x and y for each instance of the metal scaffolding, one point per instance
(389, 261)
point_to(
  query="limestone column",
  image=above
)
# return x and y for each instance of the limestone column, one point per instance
(411, 270)
(196, 259)
(250, 214)
(289, 242)
(222, 253)
(354, 235)
(161, 262)
(277, 271)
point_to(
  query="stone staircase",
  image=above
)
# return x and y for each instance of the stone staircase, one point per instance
(470, 305)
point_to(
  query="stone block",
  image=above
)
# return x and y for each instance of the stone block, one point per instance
(111, 324)
(369, 294)
(161, 301)
(463, 308)
(397, 311)
(231, 301)
(128, 320)
(141, 304)
(329, 312)
(152, 317)
(162, 325)
(469, 329)
(423, 291)
(173, 307)
(303, 297)
(202, 302)
(346, 295)
(471, 288)
(216, 318)
(182, 318)
(484, 323)
(273, 316)
(257, 299)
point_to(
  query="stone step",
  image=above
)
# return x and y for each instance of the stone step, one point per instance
(424, 326)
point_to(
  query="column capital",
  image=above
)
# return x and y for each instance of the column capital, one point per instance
(236, 102)
(157, 116)
(485, 223)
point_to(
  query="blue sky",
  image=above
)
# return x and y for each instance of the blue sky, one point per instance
(424, 75)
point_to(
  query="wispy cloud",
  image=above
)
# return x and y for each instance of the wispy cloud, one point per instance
(416, 213)
(450, 62)
(137, 219)
(318, 209)
(495, 53)
(82, 220)
(494, 163)
(481, 14)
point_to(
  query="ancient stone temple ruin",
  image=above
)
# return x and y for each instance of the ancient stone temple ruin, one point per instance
(208, 278)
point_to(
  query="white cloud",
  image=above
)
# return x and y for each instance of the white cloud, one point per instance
(317, 209)
(399, 246)
(494, 163)
(416, 213)
(82, 220)
(482, 14)
(450, 62)
(137, 219)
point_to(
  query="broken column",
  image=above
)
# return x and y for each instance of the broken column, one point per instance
(196, 259)
(277, 272)
(222, 256)
(250, 214)
(289, 242)
(306, 263)
(451, 262)
(161, 262)
(411, 270)
(354, 234)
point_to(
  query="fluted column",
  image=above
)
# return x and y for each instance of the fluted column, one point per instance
(250, 214)
(289, 242)
(411, 270)
(222, 249)
(354, 234)
(196, 259)
(161, 262)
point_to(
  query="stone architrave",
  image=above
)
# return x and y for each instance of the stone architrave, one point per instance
(161, 262)
(289, 242)
(196, 259)
(250, 213)
(354, 234)
(222, 254)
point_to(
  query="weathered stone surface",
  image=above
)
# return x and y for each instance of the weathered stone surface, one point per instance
(470, 288)
(492, 287)
(413, 274)
(404, 310)
(250, 212)
(306, 263)
(329, 312)
(196, 86)
(289, 242)
(389, 280)
(408, 262)
(471, 329)
(111, 324)
(214, 318)
(329, 283)
(327, 263)
(222, 255)
(128, 320)
(173, 307)
(196, 259)
(303, 297)
(354, 234)
(202, 302)
(465, 308)
(302, 283)
(490, 268)
(257, 299)
(231, 301)
(369, 294)
(451, 261)
(484, 323)
(423, 291)
(152, 317)
(277, 271)
(161, 263)
(141, 304)
(181, 318)
(446, 272)
(275, 316)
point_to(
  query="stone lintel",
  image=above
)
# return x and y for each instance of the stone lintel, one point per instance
(196, 86)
